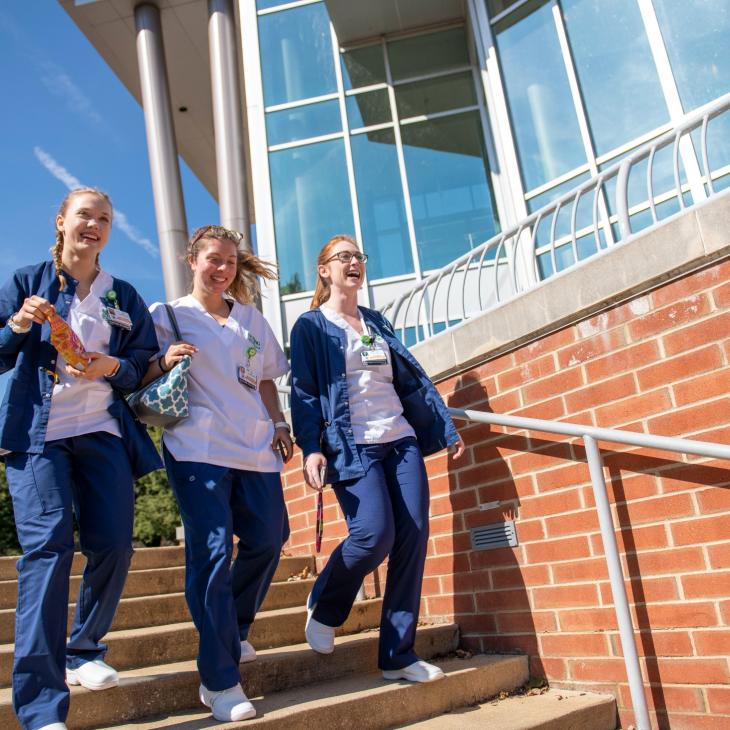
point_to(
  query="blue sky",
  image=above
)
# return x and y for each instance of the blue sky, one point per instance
(67, 116)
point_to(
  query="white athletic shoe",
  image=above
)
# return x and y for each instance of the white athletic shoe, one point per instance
(248, 653)
(228, 705)
(321, 638)
(419, 671)
(54, 726)
(95, 675)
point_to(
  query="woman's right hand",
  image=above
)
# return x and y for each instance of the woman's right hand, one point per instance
(314, 465)
(175, 353)
(34, 309)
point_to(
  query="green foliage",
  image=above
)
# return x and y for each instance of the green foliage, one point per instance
(293, 286)
(155, 511)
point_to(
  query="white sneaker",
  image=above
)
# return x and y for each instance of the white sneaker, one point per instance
(419, 671)
(54, 726)
(94, 675)
(321, 638)
(248, 653)
(228, 705)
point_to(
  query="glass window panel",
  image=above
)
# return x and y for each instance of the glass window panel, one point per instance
(302, 122)
(264, 4)
(426, 54)
(543, 116)
(363, 67)
(296, 54)
(435, 95)
(697, 36)
(619, 81)
(495, 7)
(381, 205)
(372, 107)
(311, 199)
(451, 197)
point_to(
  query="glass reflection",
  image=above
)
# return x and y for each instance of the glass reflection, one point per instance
(424, 54)
(364, 110)
(543, 116)
(302, 122)
(619, 81)
(451, 196)
(435, 95)
(380, 201)
(363, 67)
(311, 201)
(296, 54)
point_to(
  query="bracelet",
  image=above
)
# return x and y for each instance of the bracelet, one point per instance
(159, 364)
(16, 328)
(282, 424)
(115, 371)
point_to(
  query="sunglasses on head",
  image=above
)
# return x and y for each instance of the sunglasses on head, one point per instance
(216, 232)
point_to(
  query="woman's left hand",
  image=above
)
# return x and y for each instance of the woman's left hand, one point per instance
(99, 366)
(282, 443)
(457, 449)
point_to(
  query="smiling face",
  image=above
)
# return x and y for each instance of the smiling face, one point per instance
(343, 277)
(214, 266)
(85, 224)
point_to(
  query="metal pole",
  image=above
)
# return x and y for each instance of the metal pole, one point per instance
(227, 105)
(172, 227)
(620, 600)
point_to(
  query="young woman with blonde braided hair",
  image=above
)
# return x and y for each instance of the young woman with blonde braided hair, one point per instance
(71, 447)
(224, 460)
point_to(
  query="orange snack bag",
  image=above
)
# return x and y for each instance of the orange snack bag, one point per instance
(67, 342)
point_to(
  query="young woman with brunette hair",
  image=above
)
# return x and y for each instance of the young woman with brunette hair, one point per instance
(72, 448)
(365, 414)
(224, 460)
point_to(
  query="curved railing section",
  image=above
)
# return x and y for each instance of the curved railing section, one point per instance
(672, 172)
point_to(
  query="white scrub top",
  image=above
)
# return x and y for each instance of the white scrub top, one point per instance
(228, 424)
(376, 412)
(80, 406)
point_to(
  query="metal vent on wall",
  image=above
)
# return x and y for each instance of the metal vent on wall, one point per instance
(495, 535)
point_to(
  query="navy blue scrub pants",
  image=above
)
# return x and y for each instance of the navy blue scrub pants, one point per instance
(387, 514)
(91, 476)
(216, 503)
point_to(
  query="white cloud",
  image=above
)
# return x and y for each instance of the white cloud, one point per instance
(60, 84)
(71, 182)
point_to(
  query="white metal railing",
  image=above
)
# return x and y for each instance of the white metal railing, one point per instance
(591, 435)
(593, 216)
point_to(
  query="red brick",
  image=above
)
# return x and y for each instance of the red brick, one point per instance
(713, 643)
(479, 559)
(637, 407)
(714, 499)
(480, 475)
(570, 548)
(710, 329)
(548, 504)
(442, 565)
(630, 540)
(450, 605)
(600, 670)
(547, 457)
(665, 507)
(531, 531)
(549, 343)
(568, 475)
(678, 615)
(678, 368)
(620, 485)
(471, 395)
(527, 575)
(674, 561)
(588, 619)
(512, 643)
(580, 571)
(645, 590)
(691, 670)
(687, 420)
(478, 623)
(601, 393)
(706, 585)
(721, 296)
(550, 410)
(681, 721)
(449, 544)
(702, 387)
(629, 358)
(526, 622)
(553, 385)
(718, 700)
(565, 596)
(569, 645)
(505, 402)
(527, 372)
(719, 556)
(573, 523)
(667, 318)
(709, 529)
(662, 643)
(591, 347)
(661, 697)
(507, 600)
(690, 284)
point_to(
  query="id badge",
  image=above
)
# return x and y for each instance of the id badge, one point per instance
(375, 356)
(117, 317)
(247, 378)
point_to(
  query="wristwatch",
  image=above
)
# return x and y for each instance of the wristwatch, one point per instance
(16, 328)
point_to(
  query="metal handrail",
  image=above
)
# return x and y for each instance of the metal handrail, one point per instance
(440, 300)
(591, 435)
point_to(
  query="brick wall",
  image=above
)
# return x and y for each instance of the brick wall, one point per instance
(659, 363)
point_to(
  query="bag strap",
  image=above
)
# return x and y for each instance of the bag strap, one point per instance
(173, 322)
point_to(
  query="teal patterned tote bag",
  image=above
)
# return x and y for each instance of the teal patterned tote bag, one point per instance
(164, 401)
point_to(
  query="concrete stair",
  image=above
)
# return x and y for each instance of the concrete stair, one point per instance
(153, 644)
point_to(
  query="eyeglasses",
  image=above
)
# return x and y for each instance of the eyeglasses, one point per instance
(344, 257)
(216, 232)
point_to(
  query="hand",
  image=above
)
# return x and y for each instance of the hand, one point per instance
(34, 309)
(312, 467)
(99, 366)
(175, 353)
(456, 450)
(283, 444)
